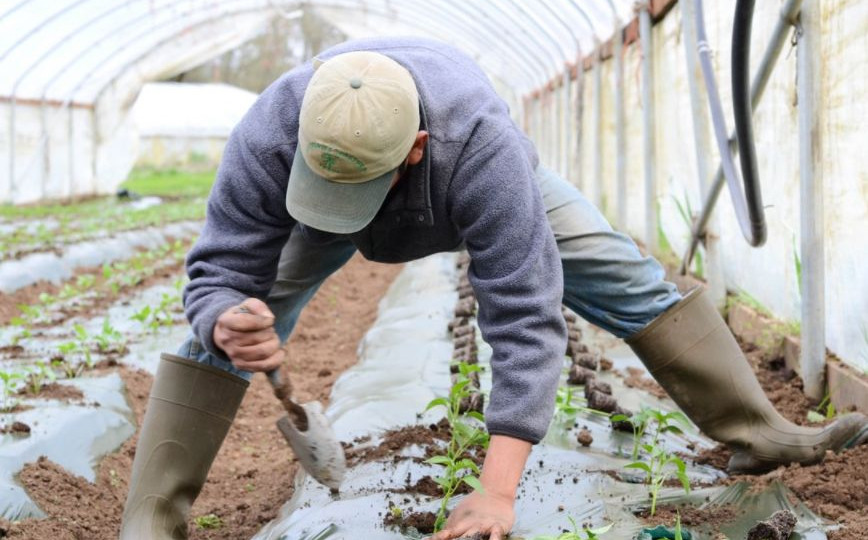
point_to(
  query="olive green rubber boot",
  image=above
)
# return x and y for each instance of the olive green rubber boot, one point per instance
(189, 413)
(691, 352)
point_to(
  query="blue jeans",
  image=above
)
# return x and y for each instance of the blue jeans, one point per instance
(606, 280)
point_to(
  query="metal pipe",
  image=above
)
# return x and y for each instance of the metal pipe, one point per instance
(786, 19)
(598, 130)
(702, 148)
(578, 120)
(565, 123)
(620, 130)
(648, 127)
(813, 350)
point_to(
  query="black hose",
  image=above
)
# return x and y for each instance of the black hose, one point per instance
(741, 35)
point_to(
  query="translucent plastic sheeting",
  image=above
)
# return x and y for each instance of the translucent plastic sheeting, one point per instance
(75, 436)
(69, 50)
(404, 364)
(523, 44)
(49, 266)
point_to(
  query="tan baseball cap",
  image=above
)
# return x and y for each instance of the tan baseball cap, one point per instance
(359, 119)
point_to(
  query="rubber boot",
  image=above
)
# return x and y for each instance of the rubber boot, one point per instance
(690, 351)
(189, 413)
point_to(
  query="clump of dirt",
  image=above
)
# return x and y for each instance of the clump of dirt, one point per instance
(16, 428)
(585, 438)
(395, 440)
(422, 522)
(777, 527)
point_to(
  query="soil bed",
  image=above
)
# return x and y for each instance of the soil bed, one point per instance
(253, 473)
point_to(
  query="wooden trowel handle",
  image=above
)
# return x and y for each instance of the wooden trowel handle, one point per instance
(283, 391)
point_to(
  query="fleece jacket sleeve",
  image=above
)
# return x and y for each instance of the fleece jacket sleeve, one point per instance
(245, 229)
(516, 273)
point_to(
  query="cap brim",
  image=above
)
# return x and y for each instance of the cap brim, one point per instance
(333, 206)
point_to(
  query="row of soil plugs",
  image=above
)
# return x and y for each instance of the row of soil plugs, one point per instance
(465, 349)
(583, 371)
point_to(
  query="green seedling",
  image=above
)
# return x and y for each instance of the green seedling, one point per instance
(466, 435)
(659, 465)
(568, 404)
(585, 533)
(825, 410)
(85, 281)
(82, 343)
(23, 332)
(209, 521)
(9, 381)
(109, 338)
(68, 291)
(70, 370)
(79, 345)
(40, 374)
(686, 213)
(25, 321)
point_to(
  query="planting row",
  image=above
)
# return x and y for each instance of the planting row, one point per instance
(31, 229)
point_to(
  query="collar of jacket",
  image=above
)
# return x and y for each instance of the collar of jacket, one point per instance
(410, 204)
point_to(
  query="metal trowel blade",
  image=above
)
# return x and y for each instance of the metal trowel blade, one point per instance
(317, 449)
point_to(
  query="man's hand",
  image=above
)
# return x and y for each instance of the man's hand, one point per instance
(246, 334)
(480, 512)
(491, 511)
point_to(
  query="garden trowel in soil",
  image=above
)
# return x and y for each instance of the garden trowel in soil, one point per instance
(310, 436)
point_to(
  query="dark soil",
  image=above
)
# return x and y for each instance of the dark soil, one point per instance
(61, 392)
(714, 516)
(635, 378)
(421, 521)
(837, 488)
(253, 474)
(393, 441)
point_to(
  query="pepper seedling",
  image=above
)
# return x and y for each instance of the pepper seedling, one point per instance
(659, 465)
(458, 467)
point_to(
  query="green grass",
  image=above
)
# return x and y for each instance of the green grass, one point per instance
(170, 183)
(56, 210)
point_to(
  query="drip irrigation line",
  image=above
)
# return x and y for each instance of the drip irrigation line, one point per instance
(748, 202)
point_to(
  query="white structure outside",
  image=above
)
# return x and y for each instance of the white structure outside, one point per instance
(182, 125)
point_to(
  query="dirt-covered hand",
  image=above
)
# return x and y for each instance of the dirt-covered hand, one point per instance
(480, 513)
(246, 334)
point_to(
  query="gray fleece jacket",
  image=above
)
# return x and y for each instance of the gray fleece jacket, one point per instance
(474, 186)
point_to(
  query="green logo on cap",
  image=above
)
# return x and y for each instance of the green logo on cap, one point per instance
(334, 160)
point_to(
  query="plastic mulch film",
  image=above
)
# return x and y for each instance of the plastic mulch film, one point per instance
(404, 364)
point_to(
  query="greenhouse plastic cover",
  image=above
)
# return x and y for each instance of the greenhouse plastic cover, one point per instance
(70, 50)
